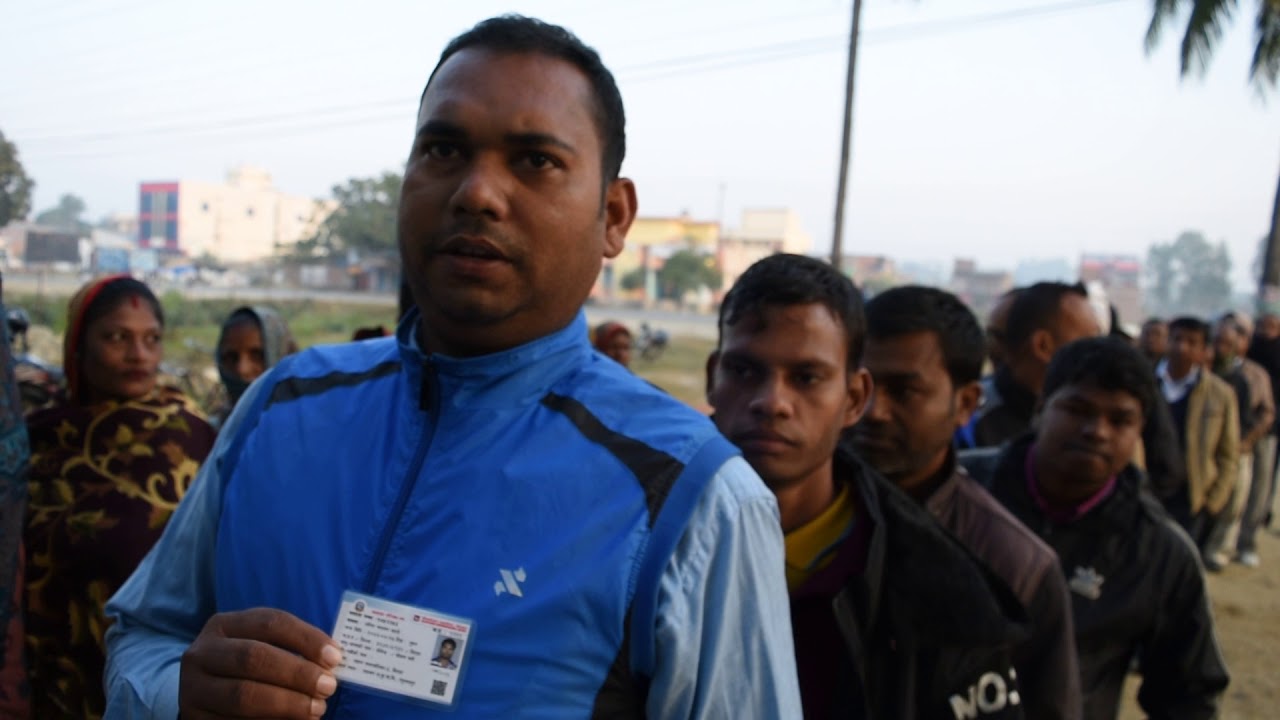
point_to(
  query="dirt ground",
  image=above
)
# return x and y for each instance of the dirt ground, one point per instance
(1246, 610)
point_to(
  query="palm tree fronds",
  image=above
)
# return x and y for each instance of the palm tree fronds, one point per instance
(1204, 30)
(1161, 11)
(1265, 68)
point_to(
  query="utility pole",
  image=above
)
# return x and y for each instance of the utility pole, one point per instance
(1269, 283)
(837, 239)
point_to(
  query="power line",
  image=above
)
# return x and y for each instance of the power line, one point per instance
(684, 66)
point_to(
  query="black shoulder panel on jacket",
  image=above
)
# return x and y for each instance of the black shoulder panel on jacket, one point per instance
(293, 388)
(655, 470)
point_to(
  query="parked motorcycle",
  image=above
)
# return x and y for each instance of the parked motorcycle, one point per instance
(38, 381)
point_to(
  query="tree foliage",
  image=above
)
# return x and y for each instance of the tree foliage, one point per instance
(15, 185)
(687, 271)
(1206, 20)
(1189, 276)
(66, 215)
(633, 280)
(364, 221)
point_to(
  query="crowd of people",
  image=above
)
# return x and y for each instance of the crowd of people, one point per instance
(867, 525)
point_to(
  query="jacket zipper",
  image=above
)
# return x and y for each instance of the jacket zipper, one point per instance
(393, 520)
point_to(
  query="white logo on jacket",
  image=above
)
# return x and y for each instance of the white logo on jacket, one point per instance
(1087, 582)
(510, 582)
(990, 695)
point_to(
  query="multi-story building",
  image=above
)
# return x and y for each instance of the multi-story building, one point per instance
(762, 233)
(1120, 276)
(649, 242)
(241, 220)
(979, 289)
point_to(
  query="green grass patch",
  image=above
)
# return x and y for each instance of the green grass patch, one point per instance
(191, 330)
(681, 370)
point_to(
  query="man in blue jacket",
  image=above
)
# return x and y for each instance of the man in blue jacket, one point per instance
(595, 548)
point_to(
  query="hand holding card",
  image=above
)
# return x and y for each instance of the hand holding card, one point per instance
(258, 662)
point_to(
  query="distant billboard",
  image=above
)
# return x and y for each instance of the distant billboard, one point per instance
(111, 260)
(46, 247)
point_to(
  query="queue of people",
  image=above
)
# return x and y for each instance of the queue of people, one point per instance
(487, 514)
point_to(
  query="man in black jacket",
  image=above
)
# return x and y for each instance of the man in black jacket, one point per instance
(924, 352)
(892, 617)
(1043, 318)
(1137, 585)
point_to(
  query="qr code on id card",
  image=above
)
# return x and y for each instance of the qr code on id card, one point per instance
(438, 687)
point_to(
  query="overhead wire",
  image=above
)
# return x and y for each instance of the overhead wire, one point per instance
(313, 119)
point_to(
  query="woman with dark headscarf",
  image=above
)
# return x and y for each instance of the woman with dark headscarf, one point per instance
(614, 340)
(252, 341)
(109, 463)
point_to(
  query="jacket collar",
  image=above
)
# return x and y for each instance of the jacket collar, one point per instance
(1011, 479)
(523, 373)
(916, 570)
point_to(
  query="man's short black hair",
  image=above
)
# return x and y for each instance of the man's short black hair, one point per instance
(784, 279)
(450, 642)
(1108, 363)
(1190, 324)
(520, 34)
(1036, 308)
(914, 308)
(1153, 321)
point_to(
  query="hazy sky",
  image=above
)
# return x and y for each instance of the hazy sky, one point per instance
(994, 129)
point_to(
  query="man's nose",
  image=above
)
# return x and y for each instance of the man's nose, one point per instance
(772, 398)
(482, 188)
(244, 367)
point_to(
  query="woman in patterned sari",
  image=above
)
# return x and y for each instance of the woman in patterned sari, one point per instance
(109, 464)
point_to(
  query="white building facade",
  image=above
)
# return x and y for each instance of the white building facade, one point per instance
(241, 220)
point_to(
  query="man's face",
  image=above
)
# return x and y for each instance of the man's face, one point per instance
(996, 323)
(1091, 430)
(446, 651)
(1075, 321)
(782, 391)
(1187, 350)
(1226, 342)
(504, 220)
(1269, 327)
(1154, 340)
(914, 411)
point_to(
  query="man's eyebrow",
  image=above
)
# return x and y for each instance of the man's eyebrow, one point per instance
(537, 139)
(899, 376)
(440, 128)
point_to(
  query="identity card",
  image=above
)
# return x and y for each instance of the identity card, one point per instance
(412, 653)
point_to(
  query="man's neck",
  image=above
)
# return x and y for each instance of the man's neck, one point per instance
(1057, 484)
(1028, 379)
(800, 502)
(1177, 374)
(926, 482)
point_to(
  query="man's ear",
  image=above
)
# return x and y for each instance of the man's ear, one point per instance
(859, 394)
(1042, 346)
(620, 206)
(968, 398)
(712, 360)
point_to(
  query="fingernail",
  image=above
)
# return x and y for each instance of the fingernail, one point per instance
(326, 685)
(331, 655)
(317, 708)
